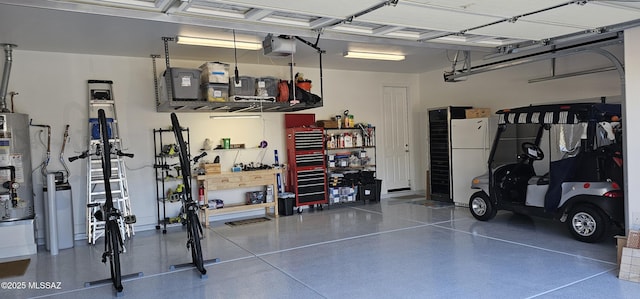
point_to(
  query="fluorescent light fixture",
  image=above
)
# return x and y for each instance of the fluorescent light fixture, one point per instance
(377, 56)
(220, 43)
(233, 116)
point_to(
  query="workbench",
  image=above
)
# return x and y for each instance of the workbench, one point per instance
(237, 180)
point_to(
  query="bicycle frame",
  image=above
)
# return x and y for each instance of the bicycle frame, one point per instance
(190, 207)
(113, 244)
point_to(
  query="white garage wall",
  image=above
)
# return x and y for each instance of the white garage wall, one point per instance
(53, 90)
(508, 88)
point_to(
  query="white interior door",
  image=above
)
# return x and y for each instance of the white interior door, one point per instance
(397, 166)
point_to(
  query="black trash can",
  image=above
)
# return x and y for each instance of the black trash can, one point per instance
(285, 204)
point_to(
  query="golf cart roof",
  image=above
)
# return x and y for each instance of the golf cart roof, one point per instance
(560, 113)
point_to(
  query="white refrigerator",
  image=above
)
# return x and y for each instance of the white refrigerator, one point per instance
(471, 141)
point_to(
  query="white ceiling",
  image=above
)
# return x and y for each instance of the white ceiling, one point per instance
(426, 31)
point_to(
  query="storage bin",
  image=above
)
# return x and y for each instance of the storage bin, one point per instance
(215, 92)
(246, 86)
(214, 72)
(185, 83)
(367, 192)
(267, 87)
(95, 128)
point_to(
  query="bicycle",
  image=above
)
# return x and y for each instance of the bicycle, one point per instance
(113, 243)
(189, 206)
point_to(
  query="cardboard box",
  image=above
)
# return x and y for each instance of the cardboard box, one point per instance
(477, 112)
(327, 124)
(621, 242)
(630, 264)
(633, 240)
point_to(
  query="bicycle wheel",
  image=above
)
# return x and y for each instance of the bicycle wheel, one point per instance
(196, 247)
(106, 158)
(114, 239)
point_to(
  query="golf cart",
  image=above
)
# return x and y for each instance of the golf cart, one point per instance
(561, 162)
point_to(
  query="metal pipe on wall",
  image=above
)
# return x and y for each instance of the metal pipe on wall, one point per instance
(52, 220)
(5, 76)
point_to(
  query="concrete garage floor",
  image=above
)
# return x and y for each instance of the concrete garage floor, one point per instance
(400, 248)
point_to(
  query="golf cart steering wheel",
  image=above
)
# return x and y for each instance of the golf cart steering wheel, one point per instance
(532, 151)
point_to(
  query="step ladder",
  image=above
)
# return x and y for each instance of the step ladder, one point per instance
(101, 97)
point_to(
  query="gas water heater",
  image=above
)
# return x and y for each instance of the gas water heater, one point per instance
(17, 226)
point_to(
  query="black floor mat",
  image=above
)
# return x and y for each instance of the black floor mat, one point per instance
(412, 196)
(247, 221)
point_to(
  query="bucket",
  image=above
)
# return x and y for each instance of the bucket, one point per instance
(306, 85)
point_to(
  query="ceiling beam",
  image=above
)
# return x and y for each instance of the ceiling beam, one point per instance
(256, 14)
(387, 29)
(225, 23)
(534, 56)
(321, 22)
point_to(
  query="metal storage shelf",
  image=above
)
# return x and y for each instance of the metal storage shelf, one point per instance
(163, 181)
(335, 196)
(203, 106)
(257, 105)
(353, 168)
(349, 148)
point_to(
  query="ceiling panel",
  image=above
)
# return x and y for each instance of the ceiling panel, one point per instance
(501, 8)
(623, 4)
(341, 9)
(409, 15)
(525, 30)
(590, 15)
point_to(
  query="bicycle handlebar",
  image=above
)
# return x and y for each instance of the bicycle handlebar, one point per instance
(120, 153)
(81, 156)
(86, 154)
(196, 158)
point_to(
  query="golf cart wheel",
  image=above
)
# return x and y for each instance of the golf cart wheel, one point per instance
(587, 224)
(481, 207)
